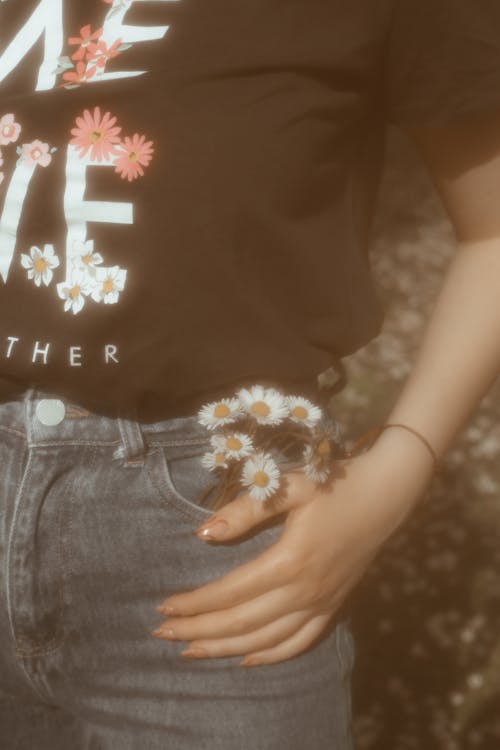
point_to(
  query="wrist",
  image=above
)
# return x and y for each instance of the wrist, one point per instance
(405, 450)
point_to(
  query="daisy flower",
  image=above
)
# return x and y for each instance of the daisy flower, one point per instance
(218, 413)
(266, 405)
(215, 459)
(235, 444)
(303, 411)
(96, 134)
(261, 474)
(74, 290)
(9, 130)
(109, 282)
(36, 152)
(135, 153)
(84, 257)
(40, 264)
(317, 460)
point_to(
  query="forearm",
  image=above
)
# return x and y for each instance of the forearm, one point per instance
(459, 358)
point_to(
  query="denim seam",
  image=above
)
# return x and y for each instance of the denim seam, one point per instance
(13, 431)
(180, 443)
(40, 648)
(92, 463)
(69, 441)
(194, 513)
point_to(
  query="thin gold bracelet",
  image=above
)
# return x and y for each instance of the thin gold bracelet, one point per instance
(373, 433)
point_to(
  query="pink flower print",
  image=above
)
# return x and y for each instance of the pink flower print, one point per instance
(96, 134)
(36, 153)
(79, 75)
(135, 153)
(100, 53)
(84, 40)
(9, 130)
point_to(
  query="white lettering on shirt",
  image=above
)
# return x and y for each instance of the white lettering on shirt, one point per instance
(12, 340)
(47, 20)
(11, 214)
(78, 211)
(37, 350)
(75, 355)
(109, 353)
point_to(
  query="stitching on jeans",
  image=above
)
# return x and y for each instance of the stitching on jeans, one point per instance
(13, 431)
(173, 443)
(64, 441)
(191, 514)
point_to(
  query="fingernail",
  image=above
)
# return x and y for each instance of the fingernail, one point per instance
(248, 662)
(216, 530)
(165, 609)
(164, 632)
(211, 521)
(195, 653)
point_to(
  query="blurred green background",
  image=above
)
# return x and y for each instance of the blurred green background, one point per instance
(426, 617)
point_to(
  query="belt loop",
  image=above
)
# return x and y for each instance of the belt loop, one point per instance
(133, 445)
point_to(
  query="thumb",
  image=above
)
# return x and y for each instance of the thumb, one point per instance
(246, 512)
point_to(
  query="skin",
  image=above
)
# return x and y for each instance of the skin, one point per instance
(278, 604)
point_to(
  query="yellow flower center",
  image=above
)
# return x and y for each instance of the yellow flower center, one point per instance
(323, 448)
(40, 265)
(234, 444)
(261, 479)
(300, 412)
(221, 410)
(74, 291)
(96, 136)
(132, 156)
(107, 286)
(219, 458)
(260, 408)
(87, 258)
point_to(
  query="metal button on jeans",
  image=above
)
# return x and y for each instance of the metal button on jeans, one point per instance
(50, 411)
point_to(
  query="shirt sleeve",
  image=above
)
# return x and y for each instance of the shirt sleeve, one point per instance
(443, 61)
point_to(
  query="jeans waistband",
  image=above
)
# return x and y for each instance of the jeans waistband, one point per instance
(46, 419)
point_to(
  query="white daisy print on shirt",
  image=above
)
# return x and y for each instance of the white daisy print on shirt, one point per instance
(74, 290)
(40, 264)
(109, 282)
(84, 256)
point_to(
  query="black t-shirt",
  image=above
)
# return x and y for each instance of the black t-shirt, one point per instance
(187, 186)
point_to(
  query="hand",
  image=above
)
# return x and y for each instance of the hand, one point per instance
(277, 605)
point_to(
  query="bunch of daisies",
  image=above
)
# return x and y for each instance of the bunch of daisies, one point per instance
(246, 428)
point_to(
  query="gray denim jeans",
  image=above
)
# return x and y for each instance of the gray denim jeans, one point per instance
(96, 529)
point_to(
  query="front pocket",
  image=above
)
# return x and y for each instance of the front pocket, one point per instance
(180, 478)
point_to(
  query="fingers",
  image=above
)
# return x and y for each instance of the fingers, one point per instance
(262, 638)
(301, 640)
(245, 512)
(235, 621)
(271, 569)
